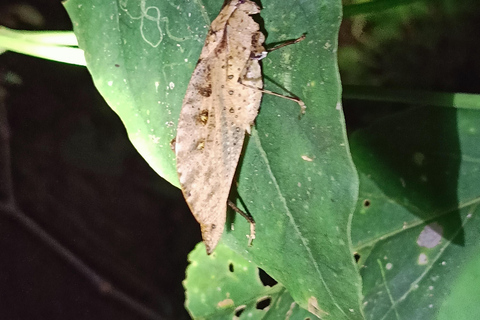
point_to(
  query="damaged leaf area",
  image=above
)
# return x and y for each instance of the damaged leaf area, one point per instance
(225, 286)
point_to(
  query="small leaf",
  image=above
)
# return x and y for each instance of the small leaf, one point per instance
(224, 285)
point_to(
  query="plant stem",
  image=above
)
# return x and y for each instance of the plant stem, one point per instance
(56, 46)
(373, 7)
(439, 99)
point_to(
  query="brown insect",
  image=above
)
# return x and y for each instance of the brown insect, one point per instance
(220, 106)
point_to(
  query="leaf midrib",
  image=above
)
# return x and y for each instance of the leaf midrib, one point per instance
(292, 219)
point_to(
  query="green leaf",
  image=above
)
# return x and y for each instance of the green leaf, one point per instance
(224, 284)
(296, 177)
(417, 223)
(141, 59)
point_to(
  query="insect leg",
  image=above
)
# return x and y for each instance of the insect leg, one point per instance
(248, 217)
(302, 105)
(252, 65)
(286, 43)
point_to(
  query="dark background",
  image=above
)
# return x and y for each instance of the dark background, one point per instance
(76, 178)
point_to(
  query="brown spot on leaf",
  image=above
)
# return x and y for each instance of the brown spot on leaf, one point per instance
(314, 308)
(225, 303)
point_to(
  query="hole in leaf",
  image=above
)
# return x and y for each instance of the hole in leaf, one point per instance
(366, 203)
(356, 256)
(239, 310)
(266, 279)
(263, 302)
(307, 318)
(230, 267)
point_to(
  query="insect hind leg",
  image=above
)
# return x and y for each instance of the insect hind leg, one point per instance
(250, 69)
(248, 217)
(302, 105)
(286, 43)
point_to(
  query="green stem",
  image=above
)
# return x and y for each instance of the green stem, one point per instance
(373, 7)
(439, 99)
(56, 46)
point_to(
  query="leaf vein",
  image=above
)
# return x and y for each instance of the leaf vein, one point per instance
(292, 220)
(436, 258)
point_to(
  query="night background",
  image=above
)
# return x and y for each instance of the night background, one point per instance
(76, 176)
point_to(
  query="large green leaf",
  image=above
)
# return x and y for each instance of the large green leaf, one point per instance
(296, 177)
(417, 223)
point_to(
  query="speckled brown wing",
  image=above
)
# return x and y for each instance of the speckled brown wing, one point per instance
(217, 111)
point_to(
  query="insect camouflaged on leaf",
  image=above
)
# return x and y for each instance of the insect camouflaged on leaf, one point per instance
(220, 106)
